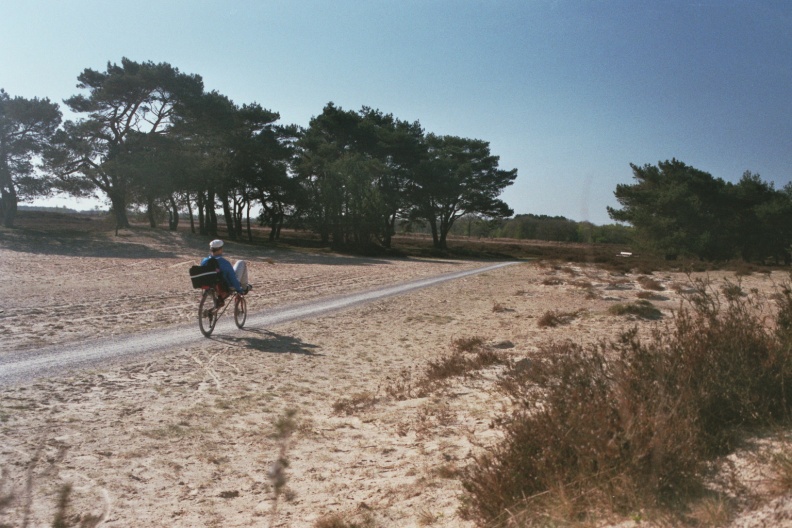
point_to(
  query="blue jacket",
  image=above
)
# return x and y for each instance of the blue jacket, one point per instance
(226, 272)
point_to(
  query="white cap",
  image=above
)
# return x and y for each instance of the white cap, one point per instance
(215, 244)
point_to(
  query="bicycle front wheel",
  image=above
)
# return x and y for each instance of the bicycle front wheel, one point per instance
(207, 313)
(240, 311)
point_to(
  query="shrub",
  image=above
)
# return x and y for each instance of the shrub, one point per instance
(555, 318)
(630, 424)
(649, 283)
(499, 308)
(641, 308)
(459, 364)
(336, 520)
(648, 295)
(355, 404)
(467, 344)
(468, 355)
(781, 464)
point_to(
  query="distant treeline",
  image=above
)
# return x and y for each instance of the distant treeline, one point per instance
(59, 209)
(535, 227)
(151, 139)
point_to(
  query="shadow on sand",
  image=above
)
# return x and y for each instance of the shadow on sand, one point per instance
(71, 243)
(266, 341)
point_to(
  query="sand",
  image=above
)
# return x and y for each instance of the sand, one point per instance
(195, 436)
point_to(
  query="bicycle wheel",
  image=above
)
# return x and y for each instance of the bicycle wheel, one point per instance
(240, 311)
(207, 313)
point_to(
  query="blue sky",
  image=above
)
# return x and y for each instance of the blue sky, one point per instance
(567, 92)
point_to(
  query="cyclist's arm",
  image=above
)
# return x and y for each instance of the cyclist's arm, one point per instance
(230, 276)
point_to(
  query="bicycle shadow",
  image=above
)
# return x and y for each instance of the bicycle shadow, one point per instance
(270, 342)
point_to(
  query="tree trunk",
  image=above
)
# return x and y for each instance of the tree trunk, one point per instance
(8, 206)
(199, 203)
(190, 212)
(238, 213)
(247, 217)
(277, 222)
(387, 237)
(151, 213)
(119, 210)
(445, 227)
(435, 234)
(211, 215)
(229, 216)
(443, 244)
(174, 219)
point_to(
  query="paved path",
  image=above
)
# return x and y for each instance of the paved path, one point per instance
(28, 365)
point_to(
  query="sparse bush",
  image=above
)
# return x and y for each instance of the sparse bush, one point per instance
(641, 308)
(446, 367)
(339, 521)
(647, 295)
(743, 269)
(649, 283)
(468, 355)
(446, 471)
(285, 427)
(355, 403)
(592, 294)
(499, 308)
(732, 290)
(555, 318)
(631, 424)
(781, 464)
(428, 517)
(402, 387)
(620, 283)
(712, 510)
(568, 270)
(467, 344)
(458, 364)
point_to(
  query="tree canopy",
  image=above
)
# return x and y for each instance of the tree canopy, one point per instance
(678, 210)
(26, 126)
(459, 176)
(149, 136)
(124, 103)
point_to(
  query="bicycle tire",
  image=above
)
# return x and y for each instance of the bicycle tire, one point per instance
(207, 314)
(240, 311)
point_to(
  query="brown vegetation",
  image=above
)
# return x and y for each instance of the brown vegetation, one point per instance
(632, 425)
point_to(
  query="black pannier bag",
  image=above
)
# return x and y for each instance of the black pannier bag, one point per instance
(206, 275)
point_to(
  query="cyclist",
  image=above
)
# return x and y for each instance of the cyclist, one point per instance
(233, 277)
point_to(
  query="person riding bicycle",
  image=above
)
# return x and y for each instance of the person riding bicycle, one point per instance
(232, 277)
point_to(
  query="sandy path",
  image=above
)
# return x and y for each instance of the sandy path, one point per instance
(60, 297)
(23, 366)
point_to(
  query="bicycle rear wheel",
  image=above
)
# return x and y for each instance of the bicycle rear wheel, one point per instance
(240, 311)
(207, 313)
